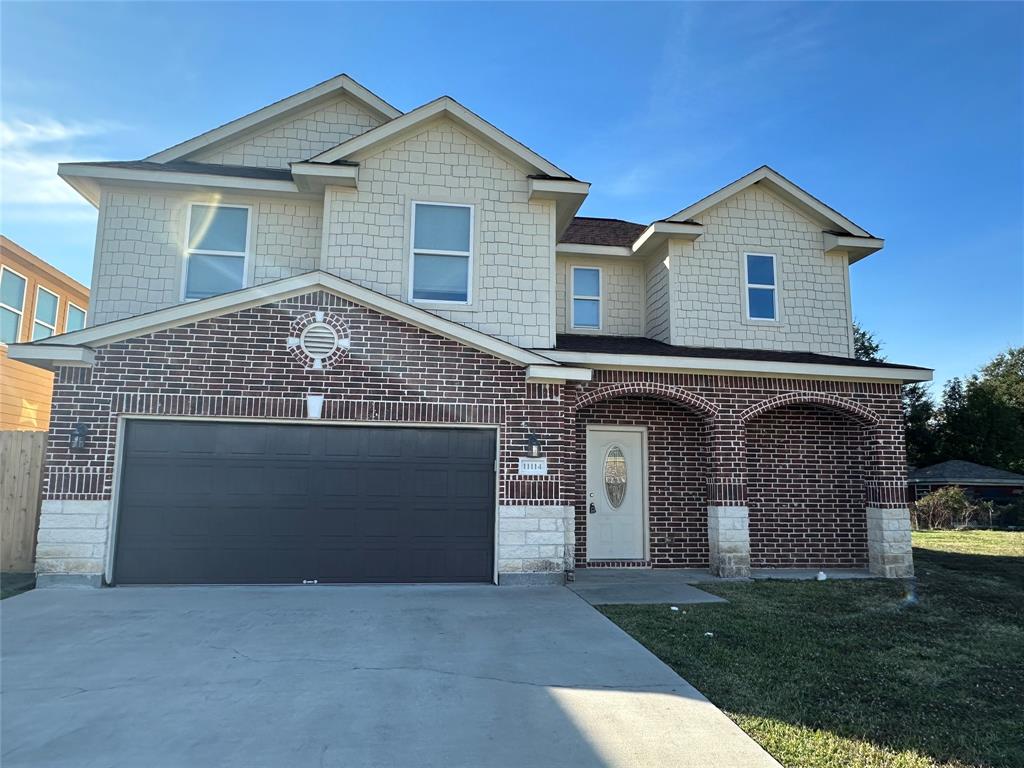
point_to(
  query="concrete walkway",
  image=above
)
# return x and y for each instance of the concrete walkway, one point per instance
(343, 676)
(609, 586)
(640, 586)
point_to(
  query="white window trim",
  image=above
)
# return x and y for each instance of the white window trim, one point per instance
(67, 311)
(19, 312)
(599, 298)
(188, 252)
(747, 285)
(35, 312)
(413, 250)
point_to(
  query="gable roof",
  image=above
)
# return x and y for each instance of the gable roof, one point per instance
(783, 188)
(254, 121)
(76, 347)
(445, 106)
(961, 472)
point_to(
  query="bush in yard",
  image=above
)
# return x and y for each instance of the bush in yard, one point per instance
(944, 508)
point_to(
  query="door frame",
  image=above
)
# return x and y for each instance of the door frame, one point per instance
(119, 446)
(644, 464)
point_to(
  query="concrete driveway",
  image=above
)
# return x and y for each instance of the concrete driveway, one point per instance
(343, 676)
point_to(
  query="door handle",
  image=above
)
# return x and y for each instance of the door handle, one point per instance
(592, 509)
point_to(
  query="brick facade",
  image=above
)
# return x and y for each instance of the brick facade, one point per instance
(805, 457)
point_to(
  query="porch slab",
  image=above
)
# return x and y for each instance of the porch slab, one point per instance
(640, 586)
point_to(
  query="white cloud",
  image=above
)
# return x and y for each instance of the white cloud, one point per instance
(29, 153)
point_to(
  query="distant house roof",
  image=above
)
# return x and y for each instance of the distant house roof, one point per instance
(640, 345)
(964, 473)
(585, 230)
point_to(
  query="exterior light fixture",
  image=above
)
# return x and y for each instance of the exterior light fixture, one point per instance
(532, 442)
(78, 436)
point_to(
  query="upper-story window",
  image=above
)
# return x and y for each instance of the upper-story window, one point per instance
(217, 251)
(761, 287)
(442, 252)
(45, 323)
(12, 304)
(74, 320)
(586, 298)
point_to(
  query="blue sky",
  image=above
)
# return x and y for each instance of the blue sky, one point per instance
(907, 118)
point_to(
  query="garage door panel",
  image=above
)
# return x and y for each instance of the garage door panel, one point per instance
(207, 502)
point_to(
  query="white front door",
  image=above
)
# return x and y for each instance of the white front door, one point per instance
(616, 480)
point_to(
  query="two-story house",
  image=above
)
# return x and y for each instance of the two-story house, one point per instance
(331, 341)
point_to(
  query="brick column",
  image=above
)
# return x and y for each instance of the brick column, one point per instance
(728, 515)
(888, 516)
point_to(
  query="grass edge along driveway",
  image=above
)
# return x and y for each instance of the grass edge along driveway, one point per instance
(865, 674)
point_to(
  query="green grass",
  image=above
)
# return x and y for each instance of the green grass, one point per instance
(865, 674)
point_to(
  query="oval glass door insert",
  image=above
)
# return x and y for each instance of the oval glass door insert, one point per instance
(615, 476)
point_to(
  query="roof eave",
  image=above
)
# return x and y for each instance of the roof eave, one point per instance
(660, 232)
(88, 180)
(735, 366)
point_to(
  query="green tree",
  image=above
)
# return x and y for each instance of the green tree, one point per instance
(982, 419)
(918, 408)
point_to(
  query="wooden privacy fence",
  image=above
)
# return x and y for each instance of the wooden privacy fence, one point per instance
(21, 485)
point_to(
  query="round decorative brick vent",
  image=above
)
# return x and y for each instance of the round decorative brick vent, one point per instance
(318, 339)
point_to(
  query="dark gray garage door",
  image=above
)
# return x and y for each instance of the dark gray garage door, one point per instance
(216, 503)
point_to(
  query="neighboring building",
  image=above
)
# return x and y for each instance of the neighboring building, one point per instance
(36, 301)
(979, 481)
(338, 342)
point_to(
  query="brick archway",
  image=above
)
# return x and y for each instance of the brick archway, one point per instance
(676, 395)
(850, 408)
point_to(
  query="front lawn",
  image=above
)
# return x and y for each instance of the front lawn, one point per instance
(858, 674)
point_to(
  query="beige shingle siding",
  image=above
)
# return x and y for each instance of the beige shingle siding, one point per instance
(708, 290)
(658, 304)
(140, 247)
(622, 295)
(316, 130)
(368, 230)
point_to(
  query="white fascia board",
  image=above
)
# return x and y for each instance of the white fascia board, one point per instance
(51, 355)
(555, 374)
(314, 177)
(194, 311)
(655, 235)
(86, 180)
(733, 366)
(781, 186)
(567, 194)
(582, 249)
(855, 247)
(444, 106)
(255, 120)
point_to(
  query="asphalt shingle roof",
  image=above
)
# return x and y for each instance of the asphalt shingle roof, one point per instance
(588, 231)
(966, 473)
(640, 345)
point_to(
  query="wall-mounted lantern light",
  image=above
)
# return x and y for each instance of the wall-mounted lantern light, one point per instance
(532, 442)
(79, 434)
